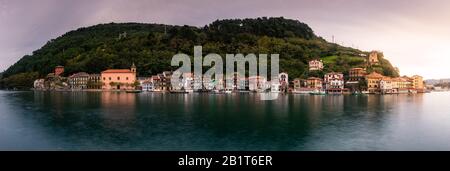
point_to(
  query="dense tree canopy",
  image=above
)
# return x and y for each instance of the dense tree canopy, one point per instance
(151, 47)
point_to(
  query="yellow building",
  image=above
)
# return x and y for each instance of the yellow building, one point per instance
(119, 79)
(314, 83)
(417, 82)
(373, 82)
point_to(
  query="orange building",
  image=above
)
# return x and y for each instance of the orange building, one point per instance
(119, 79)
(418, 82)
(314, 83)
(357, 74)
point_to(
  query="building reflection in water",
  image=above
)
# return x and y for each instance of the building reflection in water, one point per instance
(118, 110)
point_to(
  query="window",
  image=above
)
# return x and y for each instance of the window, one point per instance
(110, 78)
(127, 78)
(118, 78)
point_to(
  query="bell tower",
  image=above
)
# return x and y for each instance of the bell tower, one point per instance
(133, 68)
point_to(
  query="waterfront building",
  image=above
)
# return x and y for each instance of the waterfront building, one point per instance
(235, 81)
(188, 81)
(315, 65)
(386, 86)
(166, 81)
(373, 82)
(119, 79)
(314, 83)
(79, 80)
(275, 87)
(39, 84)
(208, 83)
(301, 86)
(141, 81)
(356, 74)
(146, 84)
(257, 83)
(373, 58)
(334, 82)
(417, 83)
(283, 82)
(299, 83)
(59, 70)
(94, 81)
(156, 83)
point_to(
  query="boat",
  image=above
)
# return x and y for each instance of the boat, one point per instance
(133, 91)
(269, 95)
(178, 92)
(303, 91)
(217, 92)
(318, 92)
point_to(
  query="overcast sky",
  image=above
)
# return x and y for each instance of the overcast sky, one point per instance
(413, 34)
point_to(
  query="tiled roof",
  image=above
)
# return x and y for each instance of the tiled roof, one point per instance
(314, 78)
(117, 71)
(80, 74)
(374, 75)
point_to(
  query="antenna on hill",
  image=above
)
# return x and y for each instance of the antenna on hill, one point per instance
(332, 38)
(165, 29)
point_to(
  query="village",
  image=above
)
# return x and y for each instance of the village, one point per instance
(358, 81)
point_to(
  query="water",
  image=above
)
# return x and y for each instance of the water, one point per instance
(154, 121)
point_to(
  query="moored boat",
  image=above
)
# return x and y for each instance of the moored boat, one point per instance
(133, 91)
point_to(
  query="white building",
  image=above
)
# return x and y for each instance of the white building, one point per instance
(257, 83)
(283, 79)
(188, 81)
(147, 85)
(386, 86)
(39, 84)
(315, 65)
(334, 80)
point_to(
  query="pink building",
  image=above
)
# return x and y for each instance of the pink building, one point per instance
(119, 79)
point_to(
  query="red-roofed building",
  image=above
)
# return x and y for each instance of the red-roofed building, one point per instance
(59, 70)
(119, 79)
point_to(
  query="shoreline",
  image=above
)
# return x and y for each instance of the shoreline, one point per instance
(237, 92)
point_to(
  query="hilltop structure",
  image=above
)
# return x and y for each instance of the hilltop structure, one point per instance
(373, 58)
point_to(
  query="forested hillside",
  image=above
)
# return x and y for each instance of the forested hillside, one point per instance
(151, 47)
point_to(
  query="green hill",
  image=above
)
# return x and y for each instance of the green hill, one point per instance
(151, 47)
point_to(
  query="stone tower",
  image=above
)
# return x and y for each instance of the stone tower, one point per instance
(373, 58)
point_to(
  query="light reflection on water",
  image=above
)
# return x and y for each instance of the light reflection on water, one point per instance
(156, 121)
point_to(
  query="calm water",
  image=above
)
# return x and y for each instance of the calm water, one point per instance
(153, 121)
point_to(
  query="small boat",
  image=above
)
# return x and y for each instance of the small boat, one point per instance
(178, 92)
(268, 95)
(133, 91)
(318, 92)
(217, 92)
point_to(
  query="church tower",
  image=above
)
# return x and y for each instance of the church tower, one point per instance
(133, 68)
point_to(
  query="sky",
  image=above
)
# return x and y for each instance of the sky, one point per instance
(413, 34)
